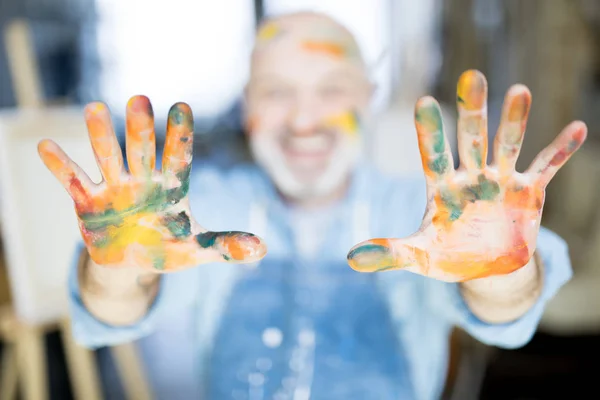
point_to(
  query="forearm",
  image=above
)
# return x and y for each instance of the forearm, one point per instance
(505, 298)
(116, 296)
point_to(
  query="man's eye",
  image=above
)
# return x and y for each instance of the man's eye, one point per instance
(333, 91)
(276, 93)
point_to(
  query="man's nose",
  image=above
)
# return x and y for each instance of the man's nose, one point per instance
(305, 117)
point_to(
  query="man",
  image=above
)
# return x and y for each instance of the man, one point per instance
(300, 323)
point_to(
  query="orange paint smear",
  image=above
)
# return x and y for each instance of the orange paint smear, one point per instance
(519, 108)
(470, 266)
(239, 247)
(329, 48)
(141, 153)
(443, 215)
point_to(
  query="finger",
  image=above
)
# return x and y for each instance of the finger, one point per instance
(509, 138)
(231, 246)
(140, 138)
(388, 254)
(434, 148)
(68, 173)
(177, 157)
(471, 97)
(104, 142)
(554, 156)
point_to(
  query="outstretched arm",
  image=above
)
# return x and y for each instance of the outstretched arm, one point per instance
(482, 222)
(138, 224)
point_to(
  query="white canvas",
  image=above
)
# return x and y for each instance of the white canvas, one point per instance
(39, 225)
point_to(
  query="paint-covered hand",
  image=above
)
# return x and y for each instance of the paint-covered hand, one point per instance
(142, 218)
(480, 220)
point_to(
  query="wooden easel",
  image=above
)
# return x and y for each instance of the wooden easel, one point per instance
(23, 358)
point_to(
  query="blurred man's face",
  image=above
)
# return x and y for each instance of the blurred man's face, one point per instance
(307, 92)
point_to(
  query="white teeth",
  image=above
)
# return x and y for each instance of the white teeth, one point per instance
(308, 144)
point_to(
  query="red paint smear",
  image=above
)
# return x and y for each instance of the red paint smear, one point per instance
(139, 104)
(82, 198)
(572, 145)
(579, 136)
(559, 157)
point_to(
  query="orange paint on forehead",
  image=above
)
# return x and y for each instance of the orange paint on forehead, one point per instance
(325, 47)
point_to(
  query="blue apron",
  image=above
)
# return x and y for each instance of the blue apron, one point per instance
(295, 330)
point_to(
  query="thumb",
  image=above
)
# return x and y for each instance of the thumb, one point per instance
(388, 254)
(233, 246)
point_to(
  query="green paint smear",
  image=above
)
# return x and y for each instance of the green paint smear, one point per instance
(439, 165)
(159, 263)
(179, 225)
(572, 145)
(99, 221)
(156, 199)
(368, 248)
(178, 116)
(207, 239)
(386, 268)
(431, 118)
(476, 151)
(453, 204)
(101, 242)
(175, 195)
(484, 190)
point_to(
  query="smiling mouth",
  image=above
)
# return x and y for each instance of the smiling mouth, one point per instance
(311, 147)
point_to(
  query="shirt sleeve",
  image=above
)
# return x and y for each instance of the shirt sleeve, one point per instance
(175, 290)
(446, 297)
(444, 300)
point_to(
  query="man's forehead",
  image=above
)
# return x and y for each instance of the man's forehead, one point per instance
(310, 32)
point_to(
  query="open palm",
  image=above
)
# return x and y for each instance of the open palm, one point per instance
(480, 220)
(142, 218)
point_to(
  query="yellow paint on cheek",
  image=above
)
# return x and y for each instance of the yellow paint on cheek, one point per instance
(346, 122)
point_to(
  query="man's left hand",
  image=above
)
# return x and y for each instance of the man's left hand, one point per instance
(481, 220)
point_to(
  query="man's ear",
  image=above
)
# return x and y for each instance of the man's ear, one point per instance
(369, 95)
(245, 98)
(372, 89)
(244, 109)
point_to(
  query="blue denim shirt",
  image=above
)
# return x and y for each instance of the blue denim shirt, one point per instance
(184, 334)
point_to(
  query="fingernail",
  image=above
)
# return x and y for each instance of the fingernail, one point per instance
(428, 115)
(371, 257)
(140, 104)
(95, 108)
(181, 114)
(519, 107)
(471, 90)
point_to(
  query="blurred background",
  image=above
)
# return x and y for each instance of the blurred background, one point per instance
(197, 52)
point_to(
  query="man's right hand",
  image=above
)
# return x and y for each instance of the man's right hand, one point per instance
(142, 218)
